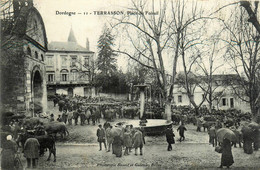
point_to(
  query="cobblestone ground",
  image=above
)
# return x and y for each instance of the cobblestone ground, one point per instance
(80, 151)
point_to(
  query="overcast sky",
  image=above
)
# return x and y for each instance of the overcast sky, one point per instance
(90, 26)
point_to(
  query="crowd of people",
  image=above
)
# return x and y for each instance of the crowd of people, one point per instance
(82, 109)
(120, 138)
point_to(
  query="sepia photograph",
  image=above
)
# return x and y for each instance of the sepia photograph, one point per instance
(130, 84)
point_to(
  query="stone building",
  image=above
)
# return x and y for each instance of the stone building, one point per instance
(69, 68)
(23, 47)
(224, 96)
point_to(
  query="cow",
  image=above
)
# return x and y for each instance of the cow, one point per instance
(56, 127)
(129, 112)
(45, 141)
(109, 114)
(88, 114)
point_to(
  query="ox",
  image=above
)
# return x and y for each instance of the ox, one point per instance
(56, 127)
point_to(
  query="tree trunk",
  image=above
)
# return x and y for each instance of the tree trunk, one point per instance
(196, 110)
(210, 106)
(255, 112)
(168, 111)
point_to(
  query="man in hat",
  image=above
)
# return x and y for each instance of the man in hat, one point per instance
(169, 137)
(101, 137)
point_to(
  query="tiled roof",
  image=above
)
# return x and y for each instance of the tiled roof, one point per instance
(66, 46)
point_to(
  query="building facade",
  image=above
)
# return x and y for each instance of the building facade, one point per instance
(223, 95)
(23, 47)
(69, 68)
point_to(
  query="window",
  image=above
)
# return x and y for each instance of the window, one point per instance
(73, 61)
(64, 77)
(74, 75)
(42, 57)
(49, 60)
(36, 54)
(29, 51)
(86, 61)
(51, 77)
(224, 101)
(180, 99)
(231, 102)
(63, 60)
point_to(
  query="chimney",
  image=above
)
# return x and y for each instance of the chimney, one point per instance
(87, 44)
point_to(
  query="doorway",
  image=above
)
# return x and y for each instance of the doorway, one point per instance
(37, 92)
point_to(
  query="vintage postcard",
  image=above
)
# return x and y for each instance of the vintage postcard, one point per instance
(130, 84)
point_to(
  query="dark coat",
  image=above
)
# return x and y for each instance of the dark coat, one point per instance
(117, 146)
(127, 139)
(101, 135)
(138, 139)
(226, 157)
(169, 136)
(109, 136)
(31, 148)
(8, 154)
(212, 132)
(181, 130)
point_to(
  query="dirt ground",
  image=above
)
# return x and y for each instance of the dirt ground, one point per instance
(81, 151)
(155, 156)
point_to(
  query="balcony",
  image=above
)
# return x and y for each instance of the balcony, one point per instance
(67, 82)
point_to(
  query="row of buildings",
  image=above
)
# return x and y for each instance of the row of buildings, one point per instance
(223, 95)
(31, 68)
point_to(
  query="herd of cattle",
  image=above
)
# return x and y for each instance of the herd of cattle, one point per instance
(40, 128)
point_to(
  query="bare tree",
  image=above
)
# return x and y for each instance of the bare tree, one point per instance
(155, 35)
(209, 84)
(252, 14)
(243, 56)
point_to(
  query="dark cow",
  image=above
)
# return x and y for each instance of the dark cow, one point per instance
(56, 127)
(129, 112)
(45, 141)
(88, 114)
(109, 114)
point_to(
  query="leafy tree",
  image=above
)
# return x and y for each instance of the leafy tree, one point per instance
(106, 61)
(106, 77)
